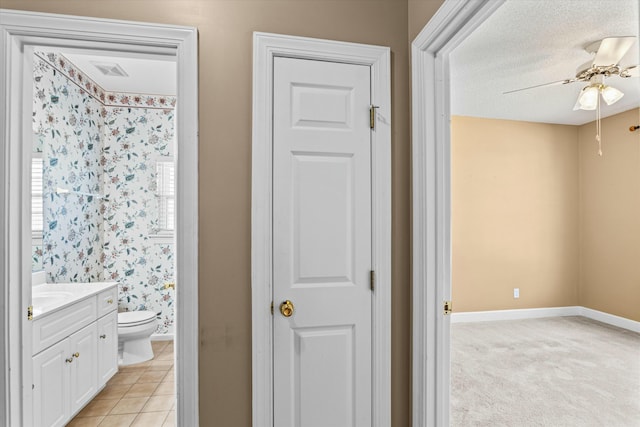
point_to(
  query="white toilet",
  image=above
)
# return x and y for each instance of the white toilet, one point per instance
(134, 336)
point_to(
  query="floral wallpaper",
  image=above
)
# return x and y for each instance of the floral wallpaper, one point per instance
(134, 139)
(69, 137)
(104, 154)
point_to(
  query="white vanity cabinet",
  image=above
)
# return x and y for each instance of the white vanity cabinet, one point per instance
(76, 348)
(107, 347)
(83, 369)
(51, 403)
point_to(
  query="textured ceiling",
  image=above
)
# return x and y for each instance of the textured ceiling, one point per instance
(530, 42)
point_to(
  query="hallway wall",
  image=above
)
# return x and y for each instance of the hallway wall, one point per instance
(225, 60)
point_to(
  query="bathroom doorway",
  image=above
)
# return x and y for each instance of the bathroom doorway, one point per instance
(104, 154)
(61, 43)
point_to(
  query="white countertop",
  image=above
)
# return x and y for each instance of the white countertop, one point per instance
(51, 297)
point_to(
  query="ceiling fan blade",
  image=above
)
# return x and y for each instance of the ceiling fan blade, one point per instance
(564, 82)
(612, 49)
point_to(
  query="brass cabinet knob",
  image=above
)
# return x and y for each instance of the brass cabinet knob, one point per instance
(69, 360)
(103, 336)
(287, 308)
(110, 301)
(76, 354)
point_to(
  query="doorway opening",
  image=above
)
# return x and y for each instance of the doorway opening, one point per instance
(32, 39)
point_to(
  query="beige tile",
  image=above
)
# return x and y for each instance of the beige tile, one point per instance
(129, 405)
(167, 363)
(170, 377)
(164, 389)
(165, 356)
(123, 420)
(161, 365)
(125, 378)
(97, 408)
(139, 368)
(171, 420)
(150, 419)
(115, 391)
(159, 403)
(85, 422)
(141, 390)
(158, 346)
(152, 377)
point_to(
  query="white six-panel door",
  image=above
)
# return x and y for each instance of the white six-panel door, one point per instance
(322, 253)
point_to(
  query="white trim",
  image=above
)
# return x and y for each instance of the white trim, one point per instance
(431, 256)
(610, 319)
(20, 30)
(517, 314)
(265, 48)
(536, 313)
(162, 337)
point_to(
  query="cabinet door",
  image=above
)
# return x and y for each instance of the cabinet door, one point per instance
(107, 347)
(51, 405)
(84, 368)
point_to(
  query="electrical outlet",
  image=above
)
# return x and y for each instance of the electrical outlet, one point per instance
(516, 293)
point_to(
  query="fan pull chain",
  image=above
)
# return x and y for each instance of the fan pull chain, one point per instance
(598, 127)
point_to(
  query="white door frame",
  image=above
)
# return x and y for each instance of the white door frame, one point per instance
(18, 31)
(431, 154)
(265, 48)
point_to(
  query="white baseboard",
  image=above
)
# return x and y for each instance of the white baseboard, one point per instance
(525, 313)
(161, 337)
(611, 319)
(535, 313)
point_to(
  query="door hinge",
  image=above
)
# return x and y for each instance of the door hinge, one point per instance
(448, 308)
(372, 279)
(30, 312)
(272, 308)
(372, 116)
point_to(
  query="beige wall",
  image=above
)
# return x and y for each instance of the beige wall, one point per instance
(420, 11)
(514, 214)
(610, 217)
(225, 46)
(535, 207)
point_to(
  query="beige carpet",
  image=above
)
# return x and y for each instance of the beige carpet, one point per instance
(562, 371)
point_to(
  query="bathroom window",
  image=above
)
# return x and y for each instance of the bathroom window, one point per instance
(165, 193)
(37, 211)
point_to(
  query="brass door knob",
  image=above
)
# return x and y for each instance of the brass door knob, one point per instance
(287, 308)
(103, 336)
(76, 354)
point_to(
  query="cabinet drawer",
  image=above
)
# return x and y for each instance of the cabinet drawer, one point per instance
(55, 327)
(107, 301)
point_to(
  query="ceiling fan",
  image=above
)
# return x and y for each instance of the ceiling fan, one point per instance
(606, 63)
(608, 53)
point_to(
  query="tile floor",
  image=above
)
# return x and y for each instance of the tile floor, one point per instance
(141, 395)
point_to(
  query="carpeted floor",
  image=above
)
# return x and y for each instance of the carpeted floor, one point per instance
(561, 371)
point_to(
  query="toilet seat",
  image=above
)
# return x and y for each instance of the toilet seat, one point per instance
(127, 319)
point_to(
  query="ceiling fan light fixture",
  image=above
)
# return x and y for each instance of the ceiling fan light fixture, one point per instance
(611, 95)
(588, 98)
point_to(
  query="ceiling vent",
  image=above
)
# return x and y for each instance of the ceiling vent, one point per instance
(110, 69)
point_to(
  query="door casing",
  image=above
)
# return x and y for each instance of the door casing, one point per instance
(19, 32)
(431, 155)
(265, 48)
